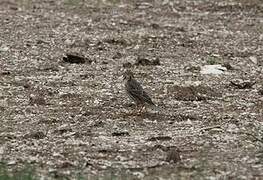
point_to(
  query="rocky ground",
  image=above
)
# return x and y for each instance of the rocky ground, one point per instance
(63, 106)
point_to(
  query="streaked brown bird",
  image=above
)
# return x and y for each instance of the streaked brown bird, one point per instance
(135, 91)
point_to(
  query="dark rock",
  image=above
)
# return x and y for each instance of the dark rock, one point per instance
(105, 151)
(26, 85)
(242, 84)
(63, 129)
(228, 66)
(142, 61)
(66, 164)
(100, 46)
(88, 164)
(2, 108)
(118, 55)
(77, 59)
(180, 29)
(36, 135)
(6, 73)
(104, 62)
(156, 62)
(155, 26)
(37, 100)
(87, 76)
(98, 123)
(114, 41)
(127, 65)
(192, 68)
(15, 8)
(120, 133)
(146, 62)
(160, 138)
(40, 41)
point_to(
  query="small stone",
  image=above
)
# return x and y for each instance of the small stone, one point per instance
(253, 59)
(228, 66)
(127, 65)
(139, 175)
(68, 42)
(10, 163)
(36, 135)
(192, 68)
(4, 48)
(118, 55)
(120, 133)
(115, 41)
(37, 100)
(160, 138)
(66, 164)
(5, 73)
(155, 25)
(146, 62)
(242, 84)
(63, 129)
(77, 59)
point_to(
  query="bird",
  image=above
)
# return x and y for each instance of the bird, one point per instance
(135, 91)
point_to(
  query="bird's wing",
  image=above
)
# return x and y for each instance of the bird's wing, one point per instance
(147, 98)
(136, 90)
(135, 86)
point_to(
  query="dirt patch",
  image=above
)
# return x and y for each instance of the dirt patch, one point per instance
(192, 93)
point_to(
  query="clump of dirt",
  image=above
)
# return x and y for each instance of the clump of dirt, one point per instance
(74, 58)
(243, 84)
(143, 61)
(192, 93)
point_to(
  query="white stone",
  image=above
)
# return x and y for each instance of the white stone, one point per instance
(253, 59)
(213, 69)
(4, 48)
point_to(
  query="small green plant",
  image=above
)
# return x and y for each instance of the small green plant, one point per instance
(114, 1)
(26, 173)
(25, 4)
(211, 60)
(73, 2)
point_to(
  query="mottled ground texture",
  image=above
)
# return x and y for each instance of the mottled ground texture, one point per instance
(70, 117)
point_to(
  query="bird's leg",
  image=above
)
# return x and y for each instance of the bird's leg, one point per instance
(141, 108)
(144, 108)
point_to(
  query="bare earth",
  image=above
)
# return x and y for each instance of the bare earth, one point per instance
(67, 118)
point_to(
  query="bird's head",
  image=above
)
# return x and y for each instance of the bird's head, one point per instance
(128, 75)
